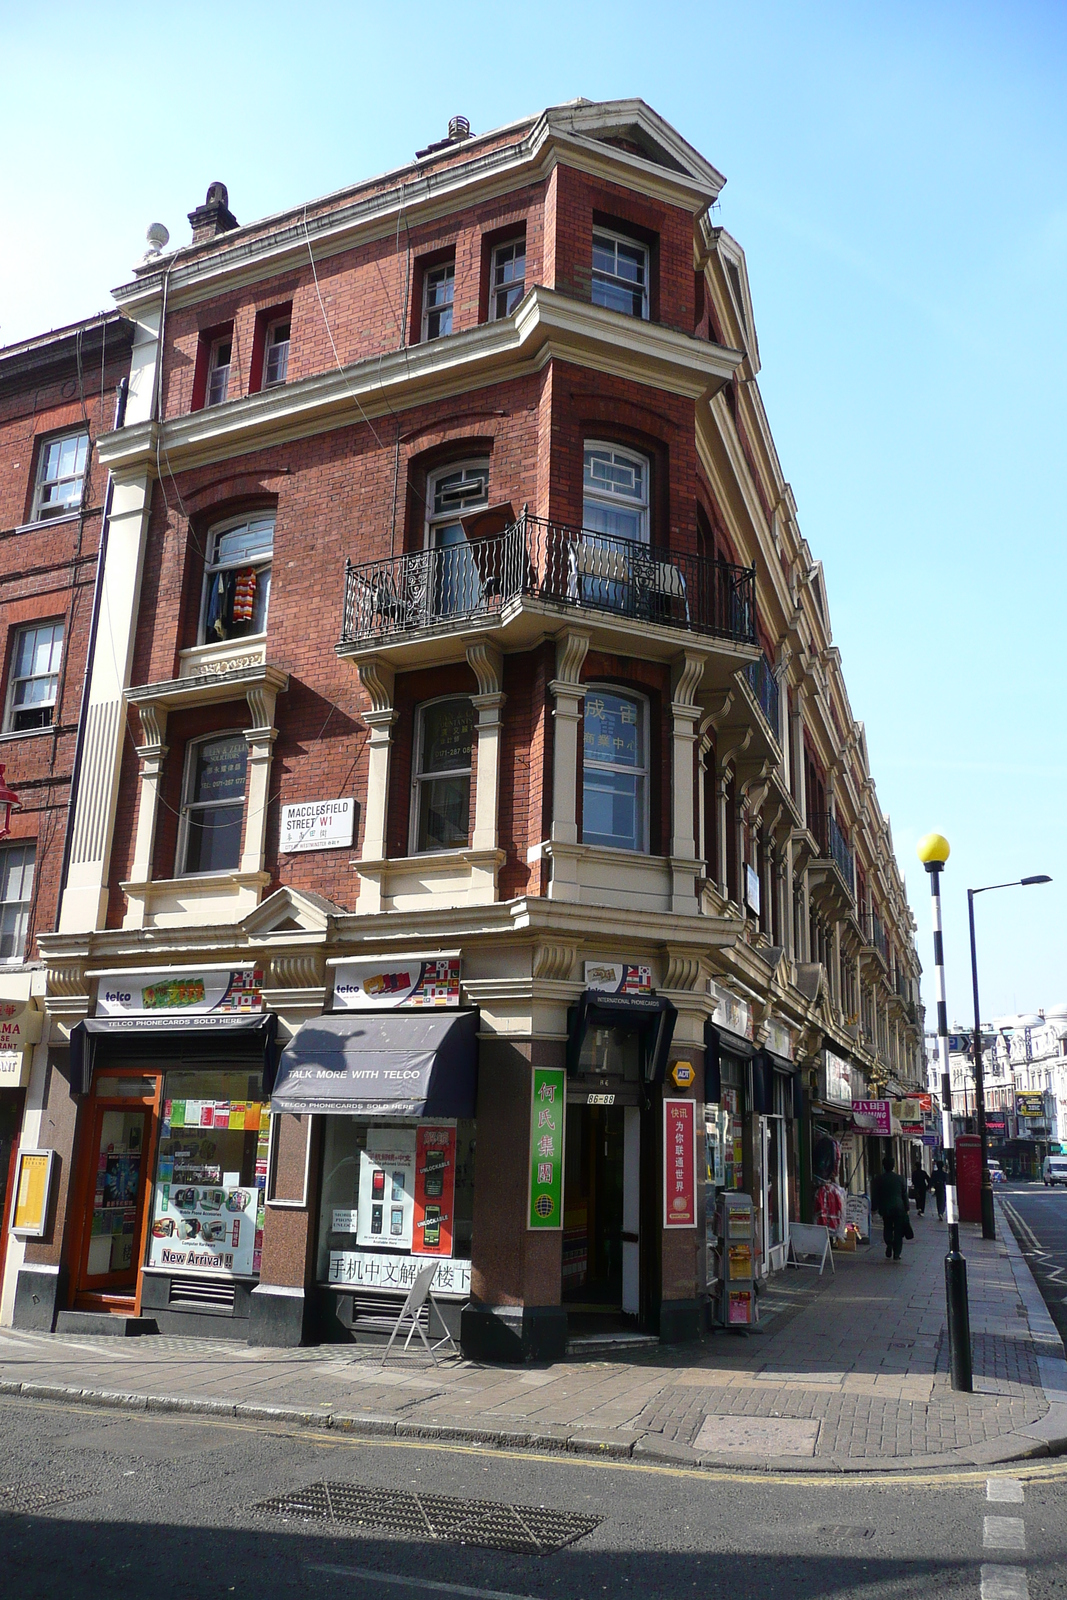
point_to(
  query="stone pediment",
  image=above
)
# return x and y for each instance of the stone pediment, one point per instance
(291, 911)
(634, 128)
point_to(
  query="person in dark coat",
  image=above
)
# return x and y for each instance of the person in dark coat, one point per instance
(920, 1183)
(889, 1197)
(939, 1183)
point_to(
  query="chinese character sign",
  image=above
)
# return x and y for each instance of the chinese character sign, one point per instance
(548, 1111)
(679, 1164)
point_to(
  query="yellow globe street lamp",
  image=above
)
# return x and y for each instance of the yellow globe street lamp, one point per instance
(933, 852)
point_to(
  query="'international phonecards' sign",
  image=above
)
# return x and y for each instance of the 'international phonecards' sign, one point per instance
(365, 1269)
(396, 981)
(317, 825)
(186, 991)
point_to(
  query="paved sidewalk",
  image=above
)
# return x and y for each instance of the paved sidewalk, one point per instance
(849, 1373)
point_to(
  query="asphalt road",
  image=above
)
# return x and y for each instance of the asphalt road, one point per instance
(100, 1503)
(1042, 1238)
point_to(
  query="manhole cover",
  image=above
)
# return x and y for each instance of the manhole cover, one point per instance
(768, 1436)
(525, 1530)
(844, 1530)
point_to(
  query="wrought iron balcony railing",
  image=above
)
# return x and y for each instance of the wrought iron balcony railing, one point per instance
(441, 588)
(878, 938)
(832, 842)
(764, 686)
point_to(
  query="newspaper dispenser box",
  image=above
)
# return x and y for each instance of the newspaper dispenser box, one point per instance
(736, 1260)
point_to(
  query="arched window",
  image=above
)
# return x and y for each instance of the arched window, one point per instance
(237, 578)
(213, 804)
(615, 770)
(615, 492)
(441, 781)
(451, 494)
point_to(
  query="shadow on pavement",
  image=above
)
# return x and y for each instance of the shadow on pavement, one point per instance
(49, 1558)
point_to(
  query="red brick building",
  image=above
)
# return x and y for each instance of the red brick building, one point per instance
(58, 395)
(467, 669)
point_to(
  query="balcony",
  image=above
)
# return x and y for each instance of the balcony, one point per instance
(764, 686)
(536, 568)
(878, 938)
(833, 846)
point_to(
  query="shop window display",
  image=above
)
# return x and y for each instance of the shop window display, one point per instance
(393, 1196)
(723, 1143)
(211, 1174)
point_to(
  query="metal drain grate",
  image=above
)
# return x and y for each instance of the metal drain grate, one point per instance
(523, 1530)
(30, 1497)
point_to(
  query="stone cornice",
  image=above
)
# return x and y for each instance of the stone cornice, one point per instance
(544, 326)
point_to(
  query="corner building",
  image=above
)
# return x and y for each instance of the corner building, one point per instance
(486, 864)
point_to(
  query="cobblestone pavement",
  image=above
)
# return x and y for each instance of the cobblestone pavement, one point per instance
(848, 1371)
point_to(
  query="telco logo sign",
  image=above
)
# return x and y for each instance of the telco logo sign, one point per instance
(117, 997)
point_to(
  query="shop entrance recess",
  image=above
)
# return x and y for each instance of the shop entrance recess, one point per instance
(611, 1184)
(602, 1207)
(118, 1148)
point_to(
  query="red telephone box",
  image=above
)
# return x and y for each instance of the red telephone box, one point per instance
(969, 1177)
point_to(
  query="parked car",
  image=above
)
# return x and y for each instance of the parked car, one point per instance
(1054, 1171)
(996, 1173)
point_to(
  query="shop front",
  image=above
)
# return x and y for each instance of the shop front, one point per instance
(389, 1076)
(730, 1164)
(171, 1164)
(776, 1093)
(619, 1039)
(20, 1030)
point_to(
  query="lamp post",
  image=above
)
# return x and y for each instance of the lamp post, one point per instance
(989, 1226)
(933, 852)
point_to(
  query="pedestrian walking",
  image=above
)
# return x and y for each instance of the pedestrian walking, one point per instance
(919, 1183)
(939, 1183)
(889, 1197)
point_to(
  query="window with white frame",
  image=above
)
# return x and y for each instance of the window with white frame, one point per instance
(438, 290)
(60, 476)
(34, 682)
(615, 770)
(213, 804)
(508, 282)
(615, 492)
(16, 895)
(620, 274)
(276, 353)
(237, 578)
(441, 802)
(218, 370)
(453, 493)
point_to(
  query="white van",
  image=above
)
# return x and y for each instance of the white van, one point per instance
(1054, 1171)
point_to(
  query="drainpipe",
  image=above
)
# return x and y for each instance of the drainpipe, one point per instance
(121, 398)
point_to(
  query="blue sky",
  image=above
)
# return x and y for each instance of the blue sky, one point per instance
(897, 174)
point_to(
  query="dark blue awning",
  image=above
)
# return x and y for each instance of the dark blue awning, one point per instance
(381, 1063)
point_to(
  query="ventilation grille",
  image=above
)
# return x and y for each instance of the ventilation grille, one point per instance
(377, 1313)
(218, 1294)
(524, 1530)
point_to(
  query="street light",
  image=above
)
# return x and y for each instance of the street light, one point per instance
(989, 1226)
(933, 852)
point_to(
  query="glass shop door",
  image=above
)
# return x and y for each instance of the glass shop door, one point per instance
(116, 1155)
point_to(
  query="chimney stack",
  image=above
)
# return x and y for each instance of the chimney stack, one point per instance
(214, 216)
